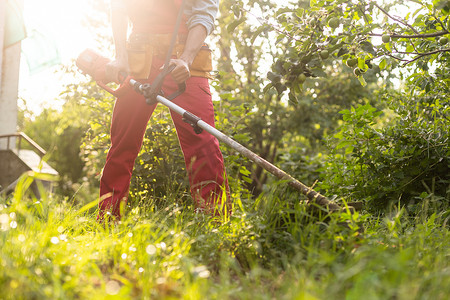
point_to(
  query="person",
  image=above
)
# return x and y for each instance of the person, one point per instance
(142, 54)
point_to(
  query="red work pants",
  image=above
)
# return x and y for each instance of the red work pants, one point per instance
(204, 161)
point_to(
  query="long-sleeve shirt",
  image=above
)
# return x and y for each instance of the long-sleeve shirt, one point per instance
(158, 16)
(201, 12)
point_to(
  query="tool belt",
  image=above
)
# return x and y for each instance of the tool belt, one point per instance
(142, 47)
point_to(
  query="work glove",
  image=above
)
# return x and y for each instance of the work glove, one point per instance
(181, 71)
(116, 69)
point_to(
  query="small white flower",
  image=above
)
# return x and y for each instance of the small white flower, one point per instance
(150, 249)
(112, 287)
(163, 246)
(13, 224)
(21, 238)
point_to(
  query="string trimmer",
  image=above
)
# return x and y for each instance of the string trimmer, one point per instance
(94, 64)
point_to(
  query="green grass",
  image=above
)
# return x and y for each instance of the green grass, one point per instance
(53, 249)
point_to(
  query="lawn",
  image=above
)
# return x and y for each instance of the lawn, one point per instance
(55, 249)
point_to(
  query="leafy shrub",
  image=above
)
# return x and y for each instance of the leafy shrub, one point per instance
(406, 161)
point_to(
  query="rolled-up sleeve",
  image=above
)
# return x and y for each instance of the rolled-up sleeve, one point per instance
(203, 12)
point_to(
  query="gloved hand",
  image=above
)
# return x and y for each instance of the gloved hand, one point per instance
(181, 71)
(115, 68)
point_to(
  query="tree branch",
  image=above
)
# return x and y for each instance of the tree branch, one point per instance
(397, 58)
(414, 46)
(396, 19)
(413, 36)
(426, 54)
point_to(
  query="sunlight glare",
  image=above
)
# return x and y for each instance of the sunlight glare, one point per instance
(63, 23)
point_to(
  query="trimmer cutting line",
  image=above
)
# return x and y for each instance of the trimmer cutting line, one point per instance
(94, 64)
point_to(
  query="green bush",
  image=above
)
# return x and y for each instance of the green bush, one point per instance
(406, 160)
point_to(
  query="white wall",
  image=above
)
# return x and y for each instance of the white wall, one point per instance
(2, 25)
(9, 80)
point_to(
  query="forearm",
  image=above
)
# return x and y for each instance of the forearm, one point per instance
(195, 39)
(119, 22)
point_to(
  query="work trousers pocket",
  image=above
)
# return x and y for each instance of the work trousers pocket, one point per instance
(140, 59)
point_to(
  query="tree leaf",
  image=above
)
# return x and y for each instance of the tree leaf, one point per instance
(342, 51)
(260, 30)
(368, 47)
(318, 72)
(362, 80)
(234, 24)
(382, 64)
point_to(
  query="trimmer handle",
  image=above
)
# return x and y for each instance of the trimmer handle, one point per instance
(181, 86)
(123, 77)
(155, 88)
